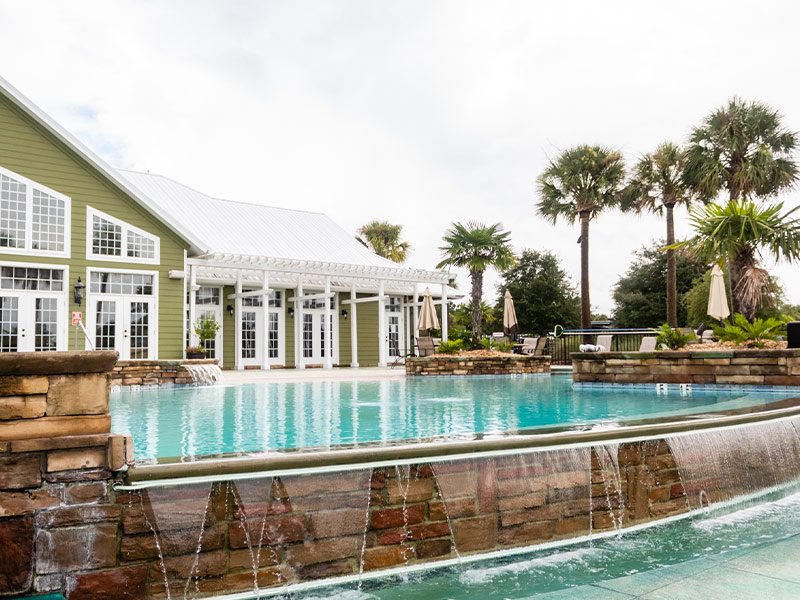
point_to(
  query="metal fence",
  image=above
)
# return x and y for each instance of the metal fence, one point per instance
(622, 340)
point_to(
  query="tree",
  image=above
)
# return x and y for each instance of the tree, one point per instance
(383, 239)
(742, 148)
(656, 185)
(476, 247)
(577, 186)
(543, 294)
(742, 230)
(639, 295)
(461, 320)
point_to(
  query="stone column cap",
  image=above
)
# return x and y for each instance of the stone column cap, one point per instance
(57, 363)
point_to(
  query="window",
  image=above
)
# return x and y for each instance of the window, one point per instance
(318, 303)
(248, 334)
(393, 304)
(207, 295)
(274, 299)
(273, 335)
(115, 240)
(33, 219)
(31, 278)
(129, 284)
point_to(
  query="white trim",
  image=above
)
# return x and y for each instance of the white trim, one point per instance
(30, 185)
(184, 331)
(154, 300)
(126, 228)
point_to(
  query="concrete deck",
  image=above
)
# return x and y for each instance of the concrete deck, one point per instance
(316, 374)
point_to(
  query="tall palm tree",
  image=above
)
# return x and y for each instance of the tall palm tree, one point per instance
(656, 185)
(742, 148)
(741, 230)
(383, 239)
(477, 247)
(577, 186)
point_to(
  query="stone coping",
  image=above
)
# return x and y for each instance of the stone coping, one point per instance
(52, 363)
(682, 354)
(167, 363)
(450, 450)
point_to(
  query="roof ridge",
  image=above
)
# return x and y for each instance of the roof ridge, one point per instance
(188, 187)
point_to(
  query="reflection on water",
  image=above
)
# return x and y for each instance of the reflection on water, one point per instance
(261, 417)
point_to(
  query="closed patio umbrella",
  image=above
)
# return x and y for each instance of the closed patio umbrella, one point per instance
(509, 315)
(427, 315)
(717, 298)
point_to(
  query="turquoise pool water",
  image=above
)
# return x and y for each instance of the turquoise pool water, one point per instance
(749, 553)
(191, 421)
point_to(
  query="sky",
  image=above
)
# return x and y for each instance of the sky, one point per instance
(417, 112)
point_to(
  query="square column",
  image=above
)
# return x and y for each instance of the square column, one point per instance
(381, 326)
(353, 328)
(265, 323)
(444, 312)
(328, 362)
(238, 324)
(299, 361)
(192, 304)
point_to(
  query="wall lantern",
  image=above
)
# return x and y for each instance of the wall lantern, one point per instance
(291, 312)
(230, 309)
(78, 296)
(344, 314)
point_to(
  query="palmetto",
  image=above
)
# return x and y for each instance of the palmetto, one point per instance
(383, 239)
(476, 247)
(742, 230)
(578, 185)
(656, 185)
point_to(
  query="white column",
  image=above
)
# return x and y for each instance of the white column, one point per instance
(406, 331)
(444, 312)
(192, 304)
(381, 326)
(415, 304)
(328, 363)
(265, 323)
(353, 328)
(237, 319)
(299, 361)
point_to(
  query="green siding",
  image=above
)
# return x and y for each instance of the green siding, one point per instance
(228, 329)
(27, 149)
(289, 323)
(345, 353)
(367, 330)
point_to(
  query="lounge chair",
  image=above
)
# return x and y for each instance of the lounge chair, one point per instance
(426, 346)
(707, 336)
(528, 346)
(399, 358)
(605, 342)
(648, 344)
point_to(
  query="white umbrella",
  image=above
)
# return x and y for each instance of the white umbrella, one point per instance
(717, 298)
(427, 315)
(509, 315)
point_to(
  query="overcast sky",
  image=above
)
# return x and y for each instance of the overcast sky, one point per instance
(420, 113)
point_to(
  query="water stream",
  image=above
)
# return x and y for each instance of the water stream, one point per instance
(205, 374)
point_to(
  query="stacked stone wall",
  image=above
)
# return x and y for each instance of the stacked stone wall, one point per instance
(461, 365)
(155, 372)
(733, 367)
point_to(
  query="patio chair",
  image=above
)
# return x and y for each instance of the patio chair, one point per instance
(648, 344)
(707, 336)
(529, 346)
(426, 346)
(399, 358)
(605, 342)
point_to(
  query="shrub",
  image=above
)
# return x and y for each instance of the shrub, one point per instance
(743, 332)
(206, 329)
(672, 338)
(450, 347)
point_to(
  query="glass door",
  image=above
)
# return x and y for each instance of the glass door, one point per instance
(31, 323)
(252, 336)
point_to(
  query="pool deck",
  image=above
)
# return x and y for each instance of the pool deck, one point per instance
(315, 374)
(765, 571)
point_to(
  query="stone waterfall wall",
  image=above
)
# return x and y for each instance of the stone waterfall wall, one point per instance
(155, 372)
(57, 460)
(443, 364)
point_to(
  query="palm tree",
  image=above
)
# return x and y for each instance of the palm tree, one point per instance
(477, 247)
(582, 182)
(383, 239)
(656, 185)
(742, 148)
(741, 230)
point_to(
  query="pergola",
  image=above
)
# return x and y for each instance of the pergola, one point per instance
(318, 280)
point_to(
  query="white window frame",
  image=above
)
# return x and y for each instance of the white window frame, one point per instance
(28, 250)
(93, 297)
(126, 227)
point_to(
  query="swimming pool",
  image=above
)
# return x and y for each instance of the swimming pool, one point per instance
(193, 421)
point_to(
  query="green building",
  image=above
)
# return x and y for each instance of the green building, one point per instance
(142, 257)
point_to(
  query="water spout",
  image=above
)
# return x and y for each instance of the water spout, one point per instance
(205, 374)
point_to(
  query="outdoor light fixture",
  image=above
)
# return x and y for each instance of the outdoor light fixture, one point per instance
(344, 314)
(79, 287)
(291, 312)
(230, 309)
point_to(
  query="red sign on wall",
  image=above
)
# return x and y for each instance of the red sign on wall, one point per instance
(77, 317)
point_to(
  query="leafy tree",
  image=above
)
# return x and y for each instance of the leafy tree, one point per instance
(477, 247)
(741, 230)
(383, 239)
(639, 295)
(656, 185)
(544, 296)
(577, 186)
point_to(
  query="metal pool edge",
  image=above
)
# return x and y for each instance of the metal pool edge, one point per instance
(331, 461)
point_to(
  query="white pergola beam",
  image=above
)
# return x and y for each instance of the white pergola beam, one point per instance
(363, 300)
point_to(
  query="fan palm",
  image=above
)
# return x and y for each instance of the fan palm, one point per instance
(742, 148)
(383, 239)
(742, 230)
(656, 185)
(578, 185)
(477, 247)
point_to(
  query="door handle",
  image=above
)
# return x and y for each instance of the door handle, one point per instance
(124, 333)
(22, 332)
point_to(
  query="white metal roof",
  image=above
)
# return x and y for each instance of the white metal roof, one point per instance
(249, 235)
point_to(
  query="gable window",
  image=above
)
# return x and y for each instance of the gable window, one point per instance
(33, 219)
(116, 240)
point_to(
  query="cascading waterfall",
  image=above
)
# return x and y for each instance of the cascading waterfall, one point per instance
(205, 374)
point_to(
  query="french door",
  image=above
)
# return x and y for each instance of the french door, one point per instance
(32, 322)
(394, 325)
(125, 324)
(252, 336)
(316, 337)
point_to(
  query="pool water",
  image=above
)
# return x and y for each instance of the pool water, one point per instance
(749, 553)
(192, 421)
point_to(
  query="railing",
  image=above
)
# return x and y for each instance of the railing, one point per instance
(622, 340)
